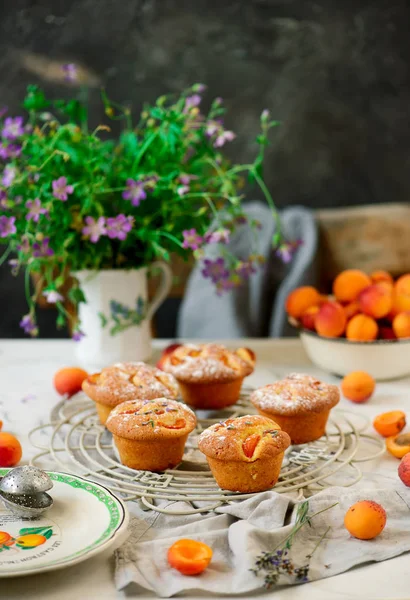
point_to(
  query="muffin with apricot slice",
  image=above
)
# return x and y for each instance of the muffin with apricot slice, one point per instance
(300, 404)
(127, 381)
(209, 375)
(150, 435)
(245, 454)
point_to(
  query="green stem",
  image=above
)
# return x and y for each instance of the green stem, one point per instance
(109, 190)
(171, 237)
(270, 201)
(5, 254)
(63, 310)
(27, 287)
(296, 529)
(143, 150)
(319, 542)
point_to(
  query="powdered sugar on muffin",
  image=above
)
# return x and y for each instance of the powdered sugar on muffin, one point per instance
(129, 381)
(205, 363)
(297, 394)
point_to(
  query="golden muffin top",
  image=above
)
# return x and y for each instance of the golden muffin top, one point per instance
(129, 381)
(297, 394)
(247, 439)
(205, 363)
(151, 419)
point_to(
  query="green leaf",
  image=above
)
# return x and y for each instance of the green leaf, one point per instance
(31, 530)
(130, 141)
(48, 534)
(103, 319)
(35, 99)
(76, 295)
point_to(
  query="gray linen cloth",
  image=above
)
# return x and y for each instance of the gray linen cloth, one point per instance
(240, 531)
(256, 309)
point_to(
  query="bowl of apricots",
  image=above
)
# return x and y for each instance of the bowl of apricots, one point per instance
(364, 325)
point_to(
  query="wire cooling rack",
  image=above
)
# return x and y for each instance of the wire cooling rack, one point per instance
(75, 441)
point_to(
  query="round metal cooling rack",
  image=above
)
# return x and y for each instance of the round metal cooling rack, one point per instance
(77, 442)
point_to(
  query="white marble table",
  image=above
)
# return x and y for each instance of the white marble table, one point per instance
(27, 396)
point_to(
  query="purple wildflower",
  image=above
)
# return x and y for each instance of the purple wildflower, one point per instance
(12, 128)
(192, 101)
(7, 226)
(265, 115)
(70, 72)
(52, 296)
(182, 190)
(3, 199)
(9, 175)
(14, 264)
(119, 226)
(94, 229)
(78, 335)
(185, 180)
(61, 189)
(135, 192)
(224, 136)
(212, 127)
(28, 324)
(192, 239)
(199, 88)
(10, 151)
(245, 269)
(286, 250)
(226, 285)
(221, 236)
(215, 269)
(42, 249)
(35, 210)
(24, 245)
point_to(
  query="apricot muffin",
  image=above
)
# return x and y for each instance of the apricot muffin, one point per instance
(209, 375)
(300, 404)
(127, 381)
(151, 434)
(244, 454)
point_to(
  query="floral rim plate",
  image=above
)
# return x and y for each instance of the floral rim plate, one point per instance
(86, 519)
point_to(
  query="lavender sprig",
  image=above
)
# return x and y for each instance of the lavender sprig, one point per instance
(278, 562)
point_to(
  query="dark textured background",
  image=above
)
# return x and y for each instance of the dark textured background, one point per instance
(335, 73)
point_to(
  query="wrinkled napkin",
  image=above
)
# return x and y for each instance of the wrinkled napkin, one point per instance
(241, 531)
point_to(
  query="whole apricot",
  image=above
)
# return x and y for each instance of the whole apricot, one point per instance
(352, 309)
(401, 303)
(67, 381)
(307, 320)
(404, 469)
(362, 328)
(387, 333)
(381, 275)
(358, 386)
(398, 445)
(390, 423)
(365, 520)
(330, 320)
(376, 301)
(300, 299)
(401, 325)
(10, 450)
(348, 284)
(402, 285)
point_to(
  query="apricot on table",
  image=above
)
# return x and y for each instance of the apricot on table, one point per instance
(189, 557)
(348, 284)
(69, 380)
(376, 301)
(10, 450)
(300, 299)
(390, 423)
(362, 328)
(404, 470)
(401, 325)
(381, 275)
(398, 445)
(330, 320)
(401, 303)
(365, 520)
(307, 319)
(358, 386)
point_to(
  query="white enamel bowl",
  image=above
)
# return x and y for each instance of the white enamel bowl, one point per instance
(382, 359)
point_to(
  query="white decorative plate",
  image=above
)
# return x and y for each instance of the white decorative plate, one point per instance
(86, 519)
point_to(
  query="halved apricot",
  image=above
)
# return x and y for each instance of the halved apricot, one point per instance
(250, 444)
(390, 423)
(398, 445)
(189, 557)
